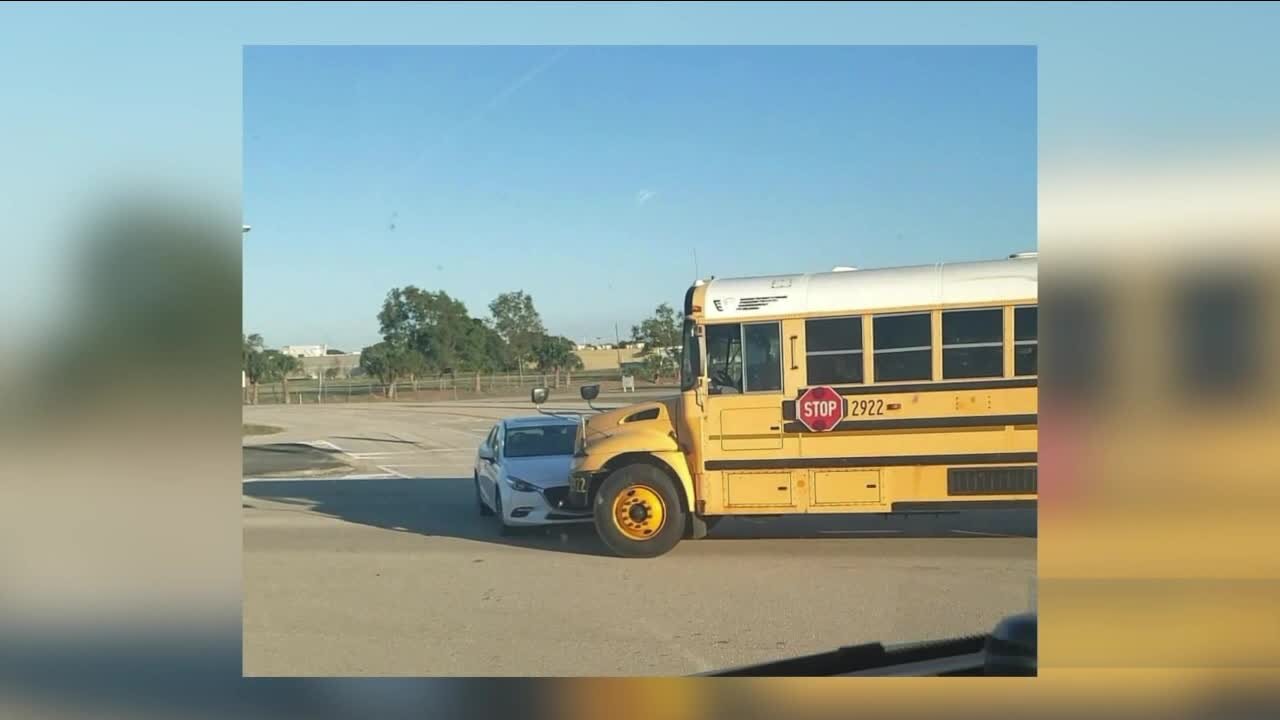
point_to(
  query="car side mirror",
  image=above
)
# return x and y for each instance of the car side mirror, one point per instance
(539, 395)
(486, 453)
(590, 392)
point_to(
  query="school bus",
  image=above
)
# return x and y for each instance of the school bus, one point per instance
(893, 390)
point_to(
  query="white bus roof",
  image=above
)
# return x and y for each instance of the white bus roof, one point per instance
(850, 290)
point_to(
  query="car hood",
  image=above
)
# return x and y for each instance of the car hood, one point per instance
(547, 471)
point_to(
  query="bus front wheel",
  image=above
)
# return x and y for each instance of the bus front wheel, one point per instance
(638, 512)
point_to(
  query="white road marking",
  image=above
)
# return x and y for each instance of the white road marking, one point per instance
(394, 472)
(365, 476)
(984, 534)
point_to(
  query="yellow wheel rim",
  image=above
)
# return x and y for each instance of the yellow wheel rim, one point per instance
(639, 512)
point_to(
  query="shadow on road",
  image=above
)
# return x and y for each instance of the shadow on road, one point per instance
(281, 458)
(446, 507)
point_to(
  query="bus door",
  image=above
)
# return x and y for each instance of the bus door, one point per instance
(744, 446)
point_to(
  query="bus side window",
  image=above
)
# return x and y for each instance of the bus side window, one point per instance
(762, 350)
(903, 346)
(1025, 340)
(724, 358)
(833, 351)
(973, 343)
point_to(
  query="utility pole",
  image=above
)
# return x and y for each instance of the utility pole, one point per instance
(617, 346)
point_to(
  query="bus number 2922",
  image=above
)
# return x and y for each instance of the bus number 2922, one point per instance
(866, 407)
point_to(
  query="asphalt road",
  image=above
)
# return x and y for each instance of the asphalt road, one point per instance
(387, 569)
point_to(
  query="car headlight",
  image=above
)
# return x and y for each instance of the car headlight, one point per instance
(519, 485)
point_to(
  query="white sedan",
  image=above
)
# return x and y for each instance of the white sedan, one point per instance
(522, 472)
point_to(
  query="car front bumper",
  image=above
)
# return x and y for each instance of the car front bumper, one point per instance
(546, 507)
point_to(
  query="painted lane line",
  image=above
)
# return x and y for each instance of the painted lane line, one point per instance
(365, 476)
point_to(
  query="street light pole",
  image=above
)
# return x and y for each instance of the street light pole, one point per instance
(617, 347)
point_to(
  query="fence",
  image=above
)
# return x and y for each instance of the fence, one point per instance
(445, 387)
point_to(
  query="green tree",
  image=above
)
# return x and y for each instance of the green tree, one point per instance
(261, 365)
(390, 363)
(281, 367)
(660, 334)
(556, 354)
(269, 366)
(433, 324)
(250, 348)
(518, 324)
(484, 348)
(249, 345)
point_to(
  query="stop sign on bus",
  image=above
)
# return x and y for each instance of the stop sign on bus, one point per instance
(821, 408)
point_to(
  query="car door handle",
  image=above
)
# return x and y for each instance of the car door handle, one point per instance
(774, 427)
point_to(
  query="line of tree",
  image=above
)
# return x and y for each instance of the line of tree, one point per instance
(427, 333)
(264, 365)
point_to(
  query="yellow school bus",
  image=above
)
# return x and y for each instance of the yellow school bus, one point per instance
(894, 390)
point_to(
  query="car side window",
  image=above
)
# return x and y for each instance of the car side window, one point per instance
(491, 441)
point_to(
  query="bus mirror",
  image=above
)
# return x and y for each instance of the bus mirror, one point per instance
(590, 392)
(539, 395)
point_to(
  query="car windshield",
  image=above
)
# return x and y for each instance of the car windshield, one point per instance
(539, 440)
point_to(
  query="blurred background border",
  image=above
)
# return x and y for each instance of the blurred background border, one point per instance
(1159, 206)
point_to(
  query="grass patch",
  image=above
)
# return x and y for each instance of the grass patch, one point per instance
(251, 429)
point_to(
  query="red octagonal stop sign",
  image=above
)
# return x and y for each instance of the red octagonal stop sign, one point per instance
(821, 408)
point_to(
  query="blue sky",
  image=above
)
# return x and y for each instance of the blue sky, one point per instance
(589, 176)
(108, 99)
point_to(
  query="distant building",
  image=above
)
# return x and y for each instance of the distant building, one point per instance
(305, 350)
(341, 365)
(606, 358)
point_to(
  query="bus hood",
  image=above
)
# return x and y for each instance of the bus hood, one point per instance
(643, 424)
